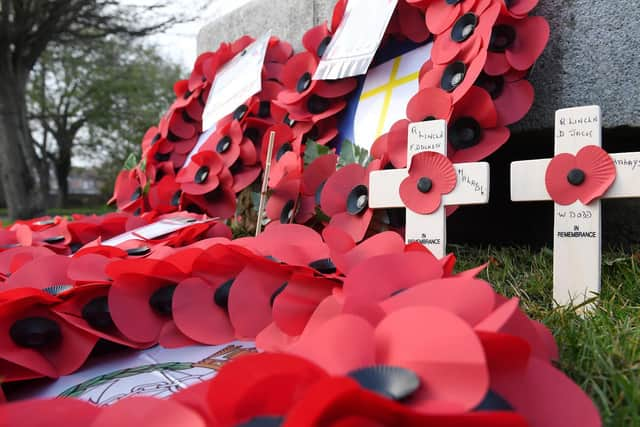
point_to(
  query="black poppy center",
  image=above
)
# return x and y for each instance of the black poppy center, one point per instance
(252, 134)
(453, 2)
(35, 332)
(223, 144)
(285, 148)
(492, 84)
(96, 313)
(324, 266)
(304, 82)
(453, 76)
(465, 132)
(493, 402)
(429, 118)
(389, 381)
(201, 175)
(322, 47)
(172, 137)
(319, 192)
(287, 212)
(576, 177)
(425, 184)
(276, 293)
(358, 200)
(464, 27)
(502, 38)
(240, 112)
(139, 251)
(221, 295)
(175, 199)
(57, 289)
(264, 110)
(186, 117)
(263, 421)
(155, 139)
(54, 239)
(136, 194)
(287, 120)
(317, 104)
(162, 157)
(187, 94)
(161, 300)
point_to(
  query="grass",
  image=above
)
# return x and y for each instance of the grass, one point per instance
(600, 352)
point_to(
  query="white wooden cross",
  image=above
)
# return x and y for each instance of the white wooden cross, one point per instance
(430, 230)
(577, 227)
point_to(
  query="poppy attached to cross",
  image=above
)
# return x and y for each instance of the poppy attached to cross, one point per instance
(430, 184)
(576, 179)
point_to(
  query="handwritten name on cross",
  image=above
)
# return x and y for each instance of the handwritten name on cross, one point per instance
(472, 187)
(577, 227)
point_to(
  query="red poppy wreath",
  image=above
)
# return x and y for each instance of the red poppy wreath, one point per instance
(353, 327)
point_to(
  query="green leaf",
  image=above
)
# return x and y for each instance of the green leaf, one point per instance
(351, 153)
(314, 150)
(131, 162)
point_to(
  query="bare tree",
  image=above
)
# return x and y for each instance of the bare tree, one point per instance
(27, 27)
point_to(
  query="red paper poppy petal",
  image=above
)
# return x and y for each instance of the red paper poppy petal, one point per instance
(429, 102)
(496, 64)
(272, 340)
(171, 337)
(509, 319)
(196, 314)
(549, 341)
(492, 140)
(58, 412)
(355, 225)
(397, 143)
(334, 195)
(40, 273)
(313, 37)
(470, 299)
(558, 187)
(449, 359)
(440, 15)
(514, 102)
(547, 397)
(477, 103)
(416, 201)
(379, 244)
(474, 68)
(298, 65)
(318, 172)
(600, 173)
(88, 268)
(377, 278)
(338, 13)
(250, 300)
(505, 353)
(130, 309)
(342, 344)
(244, 388)
(292, 243)
(413, 23)
(138, 411)
(532, 37)
(335, 88)
(294, 306)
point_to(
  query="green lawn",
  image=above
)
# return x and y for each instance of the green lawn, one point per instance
(600, 352)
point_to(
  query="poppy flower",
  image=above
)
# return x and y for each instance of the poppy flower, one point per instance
(512, 95)
(455, 77)
(47, 273)
(315, 108)
(470, 33)
(516, 43)
(34, 341)
(226, 142)
(431, 175)
(219, 203)
(140, 301)
(282, 115)
(292, 244)
(272, 383)
(286, 159)
(345, 198)
(585, 176)
(8, 239)
(409, 21)
(14, 258)
(54, 234)
(397, 140)
(473, 131)
(442, 14)
(85, 228)
(128, 192)
(204, 174)
(316, 174)
(287, 205)
(164, 195)
(433, 361)
(324, 132)
(429, 104)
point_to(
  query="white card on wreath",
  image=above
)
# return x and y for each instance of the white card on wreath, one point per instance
(155, 230)
(236, 82)
(356, 40)
(156, 372)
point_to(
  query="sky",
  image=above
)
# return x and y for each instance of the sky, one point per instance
(179, 42)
